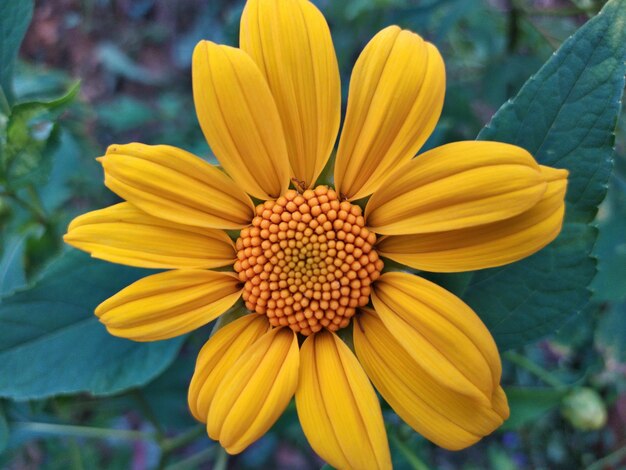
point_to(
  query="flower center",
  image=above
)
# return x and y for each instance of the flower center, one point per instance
(307, 261)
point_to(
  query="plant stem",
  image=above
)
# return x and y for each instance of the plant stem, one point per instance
(221, 462)
(534, 369)
(75, 455)
(169, 445)
(413, 460)
(193, 461)
(84, 431)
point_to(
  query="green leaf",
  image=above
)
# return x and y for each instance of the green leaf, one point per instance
(610, 334)
(65, 162)
(31, 82)
(565, 116)
(48, 105)
(12, 274)
(610, 249)
(31, 138)
(4, 430)
(529, 404)
(14, 20)
(51, 342)
(524, 301)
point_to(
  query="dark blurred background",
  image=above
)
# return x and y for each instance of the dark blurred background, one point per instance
(133, 56)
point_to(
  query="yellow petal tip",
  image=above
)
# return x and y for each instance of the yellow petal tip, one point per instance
(113, 148)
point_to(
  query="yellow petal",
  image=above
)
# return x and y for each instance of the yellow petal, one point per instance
(501, 404)
(441, 332)
(255, 391)
(489, 245)
(169, 304)
(239, 119)
(396, 95)
(448, 418)
(172, 184)
(456, 186)
(126, 235)
(291, 43)
(337, 406)
(218, 356)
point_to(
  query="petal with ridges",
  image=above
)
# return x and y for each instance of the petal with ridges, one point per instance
(337, 406)
(169, 304)
(255, 392)
(217, 357)
(489, 245)
(443, 334)
(501, 404)
(173, 184)
(126, 235)
(239, 119)
(455, 186)
(291, 43)
(396, 95)
(449, 419)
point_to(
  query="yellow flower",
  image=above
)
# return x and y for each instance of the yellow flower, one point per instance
(306, 261)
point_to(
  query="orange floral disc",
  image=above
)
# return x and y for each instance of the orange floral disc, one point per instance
(307, 261)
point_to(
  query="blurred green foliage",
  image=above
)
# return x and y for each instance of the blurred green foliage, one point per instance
(132, 59)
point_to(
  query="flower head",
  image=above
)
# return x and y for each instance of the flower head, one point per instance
(307, 260)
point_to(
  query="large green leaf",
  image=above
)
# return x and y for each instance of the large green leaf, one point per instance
(526, 300)
(12, 274)
(15, 16)
(51, 342)
(565, 116)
